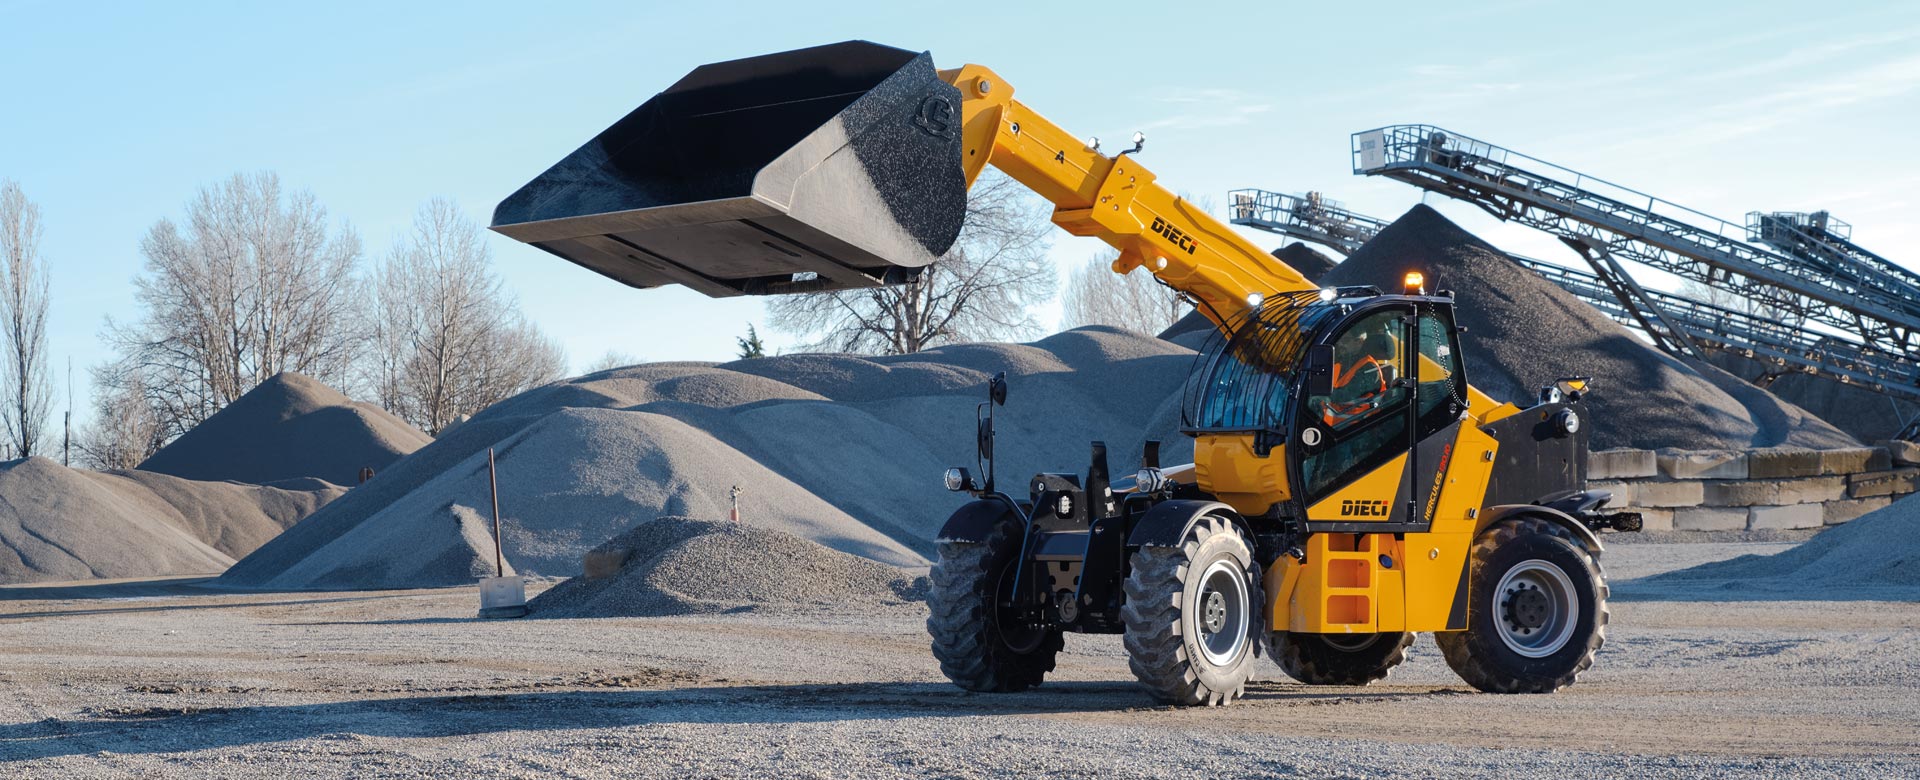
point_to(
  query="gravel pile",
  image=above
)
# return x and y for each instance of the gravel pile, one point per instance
(1878, 550)
(1306, 260)
(841, 450)
(58, 523)
(568, 481)
(680, 565)
(231, 517)
(1524, 332)
(1865, 414)
(290, 427)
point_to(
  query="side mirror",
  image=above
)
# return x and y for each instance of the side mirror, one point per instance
(997, 389)
(1319, 370)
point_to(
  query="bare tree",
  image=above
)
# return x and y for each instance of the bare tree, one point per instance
(27, 394)
(984, 288)
(125, 430)
(612, 360)
(1726, 296)
(450, 338)
(1135, 301)
(255, 284)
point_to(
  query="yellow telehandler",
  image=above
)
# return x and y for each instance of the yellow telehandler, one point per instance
(1349, 487)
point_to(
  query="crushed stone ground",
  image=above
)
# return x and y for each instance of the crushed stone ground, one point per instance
(172, 681)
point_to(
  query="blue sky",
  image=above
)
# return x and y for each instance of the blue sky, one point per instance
(114, 115)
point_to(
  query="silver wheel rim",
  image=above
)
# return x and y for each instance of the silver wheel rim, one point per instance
(1223, 614)
(1536, 608)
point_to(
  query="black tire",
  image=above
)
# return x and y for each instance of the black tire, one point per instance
(968, 639)
(1173, 595)
(1499, 653)
(1347, 659)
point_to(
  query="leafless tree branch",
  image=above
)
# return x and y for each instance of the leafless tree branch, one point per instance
(27, 390)
(984, 288)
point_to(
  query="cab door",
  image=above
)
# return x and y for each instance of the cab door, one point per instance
(1375, 449)
(1355, 439)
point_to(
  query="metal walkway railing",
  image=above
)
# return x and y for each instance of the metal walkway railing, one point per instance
(1308, 217)
(1877, 303)
(1820, 239)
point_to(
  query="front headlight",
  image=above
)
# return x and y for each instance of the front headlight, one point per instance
(1149, 481)
(958, 479)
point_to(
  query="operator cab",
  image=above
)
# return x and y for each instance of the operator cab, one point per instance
(1351, 378)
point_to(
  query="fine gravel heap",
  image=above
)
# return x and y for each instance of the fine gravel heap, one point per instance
(681, 565)
(1306, 260)
(1879, 550)
(1524, 332)
(58, 523)
(844, 451)
(290, 427)
(1864, 413)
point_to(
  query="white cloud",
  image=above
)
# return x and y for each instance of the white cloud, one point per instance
(1209, 107)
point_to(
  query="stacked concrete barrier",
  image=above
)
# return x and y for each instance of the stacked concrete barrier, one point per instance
(1740, 490)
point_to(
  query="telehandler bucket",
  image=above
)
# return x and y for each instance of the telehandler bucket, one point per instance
(818, 169)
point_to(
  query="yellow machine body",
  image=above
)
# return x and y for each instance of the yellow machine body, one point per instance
(1346, 586)
(1376, 582)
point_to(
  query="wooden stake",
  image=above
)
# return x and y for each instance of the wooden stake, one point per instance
(493, 483)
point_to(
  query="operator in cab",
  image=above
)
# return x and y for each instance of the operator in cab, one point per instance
(1363, 370)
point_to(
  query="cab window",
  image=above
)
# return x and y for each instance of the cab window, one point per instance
(1443, 390)
(1366, 366)
(1366, 415)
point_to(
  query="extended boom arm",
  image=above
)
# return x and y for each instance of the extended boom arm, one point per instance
(1115, 199)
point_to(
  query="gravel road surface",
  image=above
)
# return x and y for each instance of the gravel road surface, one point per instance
(163, 678)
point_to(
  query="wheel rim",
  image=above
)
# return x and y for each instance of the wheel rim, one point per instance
(1537, 608)
(1224, 613)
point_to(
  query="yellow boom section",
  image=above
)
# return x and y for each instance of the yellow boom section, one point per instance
(1115, 199)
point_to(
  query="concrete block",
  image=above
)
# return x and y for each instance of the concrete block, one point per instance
(1837, 512)
(1701, 464)
(1797, 516)
(1881, 461)
(1774, 492)
(1668, 494)
(1902, 453)
(1622, 491)
(1620, 464)
(1710, 518)
(1897, 482)
(1782, 462)
(1651, 518)
(1852, 460)
(603, 562)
